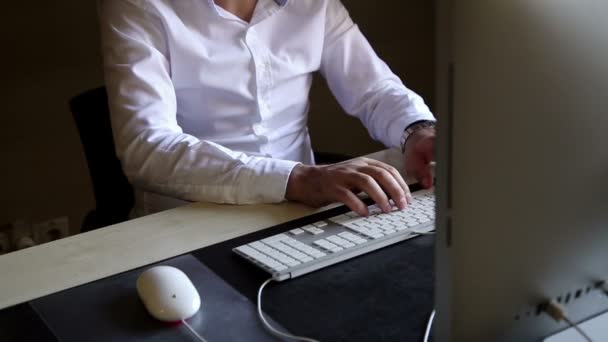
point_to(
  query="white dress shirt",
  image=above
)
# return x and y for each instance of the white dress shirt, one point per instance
(208, 107)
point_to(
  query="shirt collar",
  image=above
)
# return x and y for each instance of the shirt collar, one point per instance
(281, 3)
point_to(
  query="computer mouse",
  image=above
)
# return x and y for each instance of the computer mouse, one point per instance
(168, 294)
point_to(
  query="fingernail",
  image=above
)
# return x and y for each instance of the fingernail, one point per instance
(402, 203)
(386, 208)
(410, 199)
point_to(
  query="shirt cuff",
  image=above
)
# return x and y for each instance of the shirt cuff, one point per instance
(398, 127)
(267, 181)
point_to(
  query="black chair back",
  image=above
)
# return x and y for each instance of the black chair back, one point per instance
(113, 194)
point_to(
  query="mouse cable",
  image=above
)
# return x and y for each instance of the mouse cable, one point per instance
(558, 313)
(200, 338)
(272, 329)
(429, 325)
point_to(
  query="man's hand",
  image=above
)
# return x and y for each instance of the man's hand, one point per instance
(419, 153)
(320, 185)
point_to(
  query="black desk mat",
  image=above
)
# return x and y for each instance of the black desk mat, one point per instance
(110, 310)
(386, 295)
(21, 323)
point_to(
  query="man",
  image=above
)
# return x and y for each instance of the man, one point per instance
(209, 102)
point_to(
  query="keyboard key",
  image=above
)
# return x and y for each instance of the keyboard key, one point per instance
(296, 231)
(317, 254)
(260, 247)
(374, 209)
(278, 267)
(352, 238)
(248, 251)
(291, 263)
(313, 230)
(339, 218)
(328, 245)
(257, 245)
(337, 240)
(278, 237)
(347, 235)
(303, 258)
(373, 234)
(323, 243)
(320, 224)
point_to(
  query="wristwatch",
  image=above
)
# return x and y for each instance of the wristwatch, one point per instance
(409, 130)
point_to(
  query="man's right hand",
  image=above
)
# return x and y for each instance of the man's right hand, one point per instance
(320, 185)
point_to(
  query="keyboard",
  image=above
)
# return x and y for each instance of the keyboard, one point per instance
(311, 247)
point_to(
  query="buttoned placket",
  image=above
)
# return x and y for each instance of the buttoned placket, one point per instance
(262, 63)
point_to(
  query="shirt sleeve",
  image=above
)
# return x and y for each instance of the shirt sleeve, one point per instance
(155, 153)
(363, 84)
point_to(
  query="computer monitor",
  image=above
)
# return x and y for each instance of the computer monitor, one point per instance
(522, 171)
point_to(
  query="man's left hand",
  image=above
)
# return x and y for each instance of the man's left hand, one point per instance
(419, 153)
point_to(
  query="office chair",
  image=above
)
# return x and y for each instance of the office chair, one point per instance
(113, 194)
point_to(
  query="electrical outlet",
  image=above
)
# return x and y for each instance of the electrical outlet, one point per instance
(5, 245)
(21, 231)
(51, 230)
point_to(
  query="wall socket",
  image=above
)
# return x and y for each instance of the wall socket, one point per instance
(5, 245)
(21, 231)
(51, 230)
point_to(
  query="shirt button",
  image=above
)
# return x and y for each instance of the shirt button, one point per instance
(258, 129)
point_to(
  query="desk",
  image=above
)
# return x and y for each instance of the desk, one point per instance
(46, 269)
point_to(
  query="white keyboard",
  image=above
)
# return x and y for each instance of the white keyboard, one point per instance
(311, 247)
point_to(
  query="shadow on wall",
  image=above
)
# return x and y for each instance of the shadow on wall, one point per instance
(403, 34)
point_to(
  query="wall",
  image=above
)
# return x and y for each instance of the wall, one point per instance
(50, 53)
(402, 33)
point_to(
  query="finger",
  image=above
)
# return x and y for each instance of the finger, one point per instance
(421, 171)
(372, 188)
(351, 200)
(388, 182)
(426, 149)
(393, 171)
(427, 176)
(398, 177)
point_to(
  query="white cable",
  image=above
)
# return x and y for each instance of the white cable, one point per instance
(269, 327)
(558, 312)
(578, 329)
(200, 338)
(429, 325)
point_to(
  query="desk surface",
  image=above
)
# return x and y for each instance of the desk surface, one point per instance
(49, 268)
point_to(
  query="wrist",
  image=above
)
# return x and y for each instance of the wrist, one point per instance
(416, 131)
(297, 186)
(427, 132)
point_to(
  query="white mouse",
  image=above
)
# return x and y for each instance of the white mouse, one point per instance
(168, 294)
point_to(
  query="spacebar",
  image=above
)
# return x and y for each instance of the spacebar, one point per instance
(348, 254)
